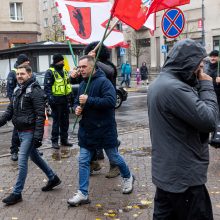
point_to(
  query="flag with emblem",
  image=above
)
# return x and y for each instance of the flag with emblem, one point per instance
(135, 12)
(84, 21)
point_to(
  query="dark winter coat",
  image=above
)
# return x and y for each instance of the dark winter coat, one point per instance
(97, 128)
(11, 83)
(144, 72)
(27, 109)
(211, 69)
(180, 119)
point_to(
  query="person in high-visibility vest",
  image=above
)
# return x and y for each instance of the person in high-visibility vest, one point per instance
(11, 84)
(58, 90)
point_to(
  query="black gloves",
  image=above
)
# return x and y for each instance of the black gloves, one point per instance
(37, 143)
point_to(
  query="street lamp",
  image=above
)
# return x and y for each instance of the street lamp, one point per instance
(203, 27)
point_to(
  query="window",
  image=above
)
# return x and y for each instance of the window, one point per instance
(54, 19)
(16, 12)
(53, 4)
(45, 6)
(216, 40)
(45, 22)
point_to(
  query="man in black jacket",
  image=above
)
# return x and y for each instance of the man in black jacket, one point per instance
(58, 90)
(11, 84)
(27, 111)
(211, 68)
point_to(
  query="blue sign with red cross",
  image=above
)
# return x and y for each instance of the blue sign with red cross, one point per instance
(173, 22)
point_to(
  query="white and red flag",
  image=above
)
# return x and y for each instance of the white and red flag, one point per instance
(135, 12)
(84, 21)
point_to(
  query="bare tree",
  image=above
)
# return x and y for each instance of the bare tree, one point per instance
(136, 48)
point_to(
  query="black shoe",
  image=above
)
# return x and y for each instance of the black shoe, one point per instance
(12, 199)
(55, 146)
(51, 184)
(14, 157)
(66, 144)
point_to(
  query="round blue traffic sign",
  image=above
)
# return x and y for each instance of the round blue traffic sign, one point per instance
(173, 22)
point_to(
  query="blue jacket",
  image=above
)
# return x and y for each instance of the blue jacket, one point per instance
(97, 128)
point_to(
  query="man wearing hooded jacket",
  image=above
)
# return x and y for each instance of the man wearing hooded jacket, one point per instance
(182, 108)
(58, 90)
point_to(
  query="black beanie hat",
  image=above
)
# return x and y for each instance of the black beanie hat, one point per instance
(214, 53)
(57, 58)
(104, 54)
(21, 59)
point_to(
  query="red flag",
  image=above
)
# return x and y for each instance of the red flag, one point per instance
(135, 12)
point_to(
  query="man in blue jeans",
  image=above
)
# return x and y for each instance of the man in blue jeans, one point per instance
(27, 111)
(97, 128)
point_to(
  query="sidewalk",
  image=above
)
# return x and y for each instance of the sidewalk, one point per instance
(107, 201)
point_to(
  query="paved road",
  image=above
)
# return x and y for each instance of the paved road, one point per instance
(107, 200)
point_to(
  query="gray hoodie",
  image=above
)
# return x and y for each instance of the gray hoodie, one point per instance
(180, 119)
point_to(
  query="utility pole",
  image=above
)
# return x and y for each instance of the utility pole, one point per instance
(203, 26)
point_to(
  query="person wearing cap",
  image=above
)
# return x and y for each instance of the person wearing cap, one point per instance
(11, 84)
(58, 90)
(211, 68)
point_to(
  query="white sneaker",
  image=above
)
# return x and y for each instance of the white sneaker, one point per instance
(78, 199)
(128, 184)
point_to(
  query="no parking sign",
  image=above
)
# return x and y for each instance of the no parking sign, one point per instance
(173, 22)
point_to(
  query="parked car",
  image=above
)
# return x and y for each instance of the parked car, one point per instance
(121, 93)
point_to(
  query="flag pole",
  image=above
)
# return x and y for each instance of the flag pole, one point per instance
(96, 59)
(109, 32)
(218, 58)
(71, 50)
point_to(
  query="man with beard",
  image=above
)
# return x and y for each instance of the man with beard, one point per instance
(27, 112)
(182, 109)
(58, 90)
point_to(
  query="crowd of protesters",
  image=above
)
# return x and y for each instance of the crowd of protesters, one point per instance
(183, 108)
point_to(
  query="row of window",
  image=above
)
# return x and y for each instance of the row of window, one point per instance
(54, 21)
(45, 4)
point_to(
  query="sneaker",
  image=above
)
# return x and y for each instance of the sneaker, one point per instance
(12, 199)
(14, 157)
(51, 184)
(95, 166)
(78, 199)
(113, 172)
(55, 146)
(66, 143)
(128, 185)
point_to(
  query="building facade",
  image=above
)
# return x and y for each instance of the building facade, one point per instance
(20, 23)
(51, 27)
(195, 13)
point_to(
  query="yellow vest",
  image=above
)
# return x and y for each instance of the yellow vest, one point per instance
(61, 85)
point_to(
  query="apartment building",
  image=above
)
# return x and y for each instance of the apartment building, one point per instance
(51, 27)
(19, 23)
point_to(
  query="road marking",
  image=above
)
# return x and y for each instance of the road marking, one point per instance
(137, 96)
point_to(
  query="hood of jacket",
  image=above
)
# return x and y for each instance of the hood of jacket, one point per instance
(183, 59)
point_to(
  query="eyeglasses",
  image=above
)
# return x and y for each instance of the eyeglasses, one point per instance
(83, 67)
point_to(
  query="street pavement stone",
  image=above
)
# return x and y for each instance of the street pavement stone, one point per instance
(107, 201)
